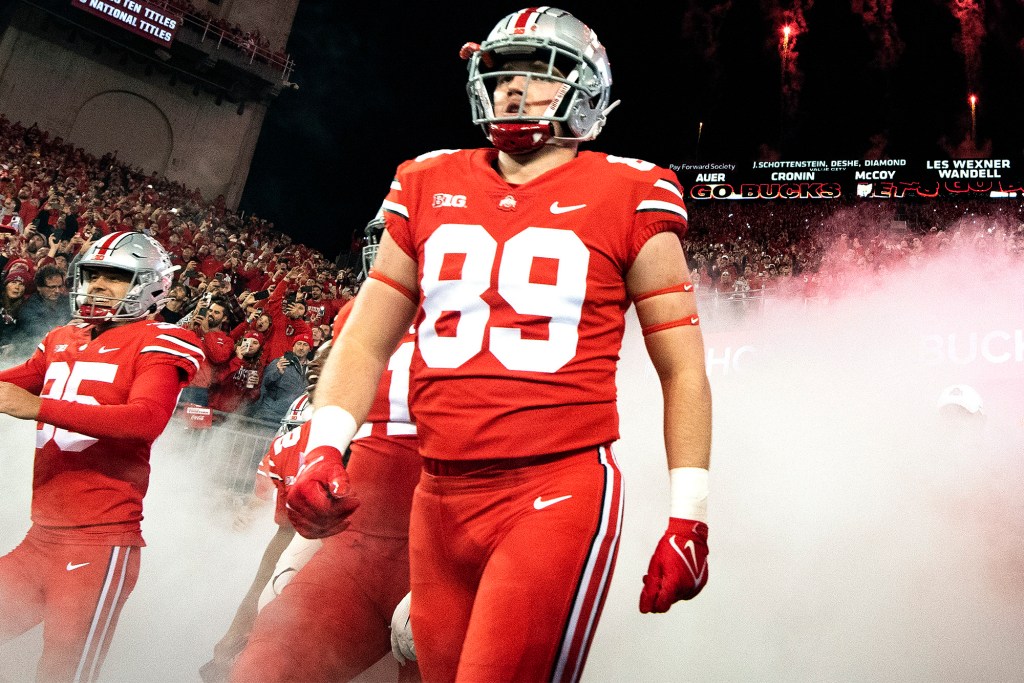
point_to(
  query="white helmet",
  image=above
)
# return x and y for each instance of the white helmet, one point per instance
(568, 52)
(299, 413)
(961, 397)
(132, 252)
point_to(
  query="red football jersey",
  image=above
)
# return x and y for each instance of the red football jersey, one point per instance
(522, 295)
(280, 465)
(89, 487)
(389, 415)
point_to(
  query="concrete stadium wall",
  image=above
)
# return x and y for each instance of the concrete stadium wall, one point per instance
(92, 102)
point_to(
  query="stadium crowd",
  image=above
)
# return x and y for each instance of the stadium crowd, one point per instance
(258, 300)
(262, 304)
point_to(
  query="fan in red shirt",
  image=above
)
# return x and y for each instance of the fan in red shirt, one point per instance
(517, 265)
(287, 321)
(239, 380)
(101, 389)
(320, 310)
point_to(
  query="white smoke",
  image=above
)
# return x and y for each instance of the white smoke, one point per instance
(855, 535)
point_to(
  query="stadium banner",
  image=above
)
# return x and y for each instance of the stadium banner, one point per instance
(138, 17)
(863, 178)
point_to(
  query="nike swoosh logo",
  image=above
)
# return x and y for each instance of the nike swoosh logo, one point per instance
(691, 561)
(556, 209)
(540, 504)
(688, 287)
(694, 320)
(73, 567)
(106, 350)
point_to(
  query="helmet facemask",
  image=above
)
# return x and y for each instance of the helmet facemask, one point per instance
(374, 232)
(128, 308)
(557, 49)
(133, 253)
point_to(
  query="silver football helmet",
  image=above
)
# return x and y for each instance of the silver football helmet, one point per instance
(374, 232)
(132, 252)
(564, 50)
(299, 413)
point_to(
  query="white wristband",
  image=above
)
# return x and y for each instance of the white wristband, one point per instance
(689, 491)
(331, 426)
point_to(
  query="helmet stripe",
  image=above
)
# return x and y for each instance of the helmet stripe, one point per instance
(527, 18)
(105, 245)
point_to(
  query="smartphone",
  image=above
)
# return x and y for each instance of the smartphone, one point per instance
(306, 290)
(258, 296)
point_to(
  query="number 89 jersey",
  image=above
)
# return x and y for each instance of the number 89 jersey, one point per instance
(522, 296)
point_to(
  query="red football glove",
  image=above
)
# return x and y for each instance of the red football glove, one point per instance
(679, 567)
(319, 503)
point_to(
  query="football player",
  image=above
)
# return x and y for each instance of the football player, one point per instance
(286, 552)
(517, 264)
(101, 389)
(332, 619)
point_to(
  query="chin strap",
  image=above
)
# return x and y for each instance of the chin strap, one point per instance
(519, 138)
(95, 314)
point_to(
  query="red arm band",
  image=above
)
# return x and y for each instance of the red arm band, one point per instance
(150, 404)
(400, 288)
(681, 287)
(688, 320)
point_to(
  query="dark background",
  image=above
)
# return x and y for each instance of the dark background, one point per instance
(380, 83)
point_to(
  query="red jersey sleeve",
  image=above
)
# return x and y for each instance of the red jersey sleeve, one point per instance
(148, 409)
(172, 345)
(396, 209)
(660, 209)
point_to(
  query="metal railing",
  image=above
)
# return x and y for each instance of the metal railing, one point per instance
(229, 451)
(209, 29)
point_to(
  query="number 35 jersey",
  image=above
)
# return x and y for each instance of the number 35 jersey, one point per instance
(104, 403)
(522, 296)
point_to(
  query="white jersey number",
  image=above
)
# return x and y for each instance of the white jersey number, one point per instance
(286, 440)
(561, 301)
(64, 383)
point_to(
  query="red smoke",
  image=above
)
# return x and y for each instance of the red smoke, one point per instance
(971, 15)
(878, 22)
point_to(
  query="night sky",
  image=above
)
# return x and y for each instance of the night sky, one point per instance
(380, 83)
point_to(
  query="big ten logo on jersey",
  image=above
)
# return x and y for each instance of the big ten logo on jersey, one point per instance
(63, 382)
(557, 302)
(457, 201)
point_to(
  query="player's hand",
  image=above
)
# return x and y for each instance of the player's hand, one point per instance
(320, 502)
(402, 645)
(17, 402)
(679, 567)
